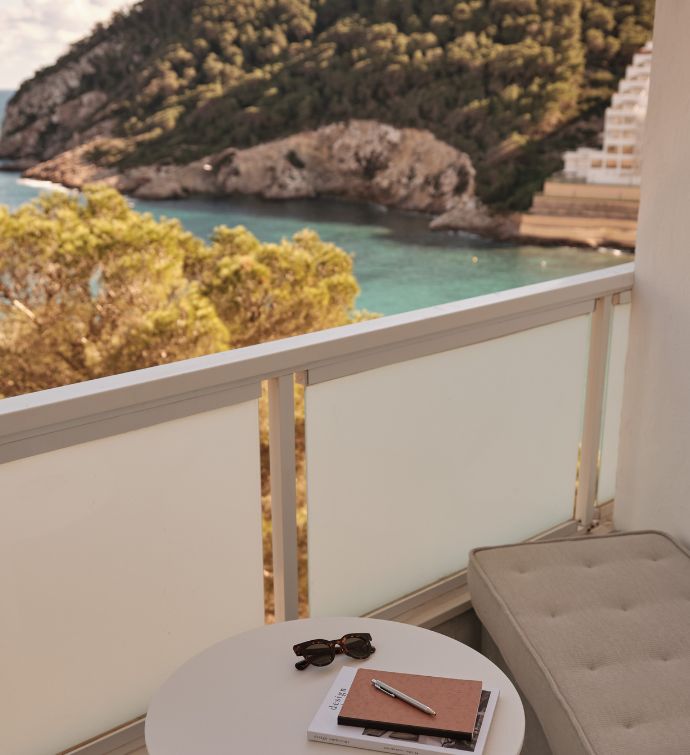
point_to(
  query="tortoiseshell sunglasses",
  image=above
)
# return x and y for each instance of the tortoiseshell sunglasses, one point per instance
(322, 652)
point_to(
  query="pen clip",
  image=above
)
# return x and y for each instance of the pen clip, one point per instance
(381, 689)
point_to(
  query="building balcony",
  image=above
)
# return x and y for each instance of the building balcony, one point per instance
(131, 507)
(629, 139)
(633, 87)
(628, 101)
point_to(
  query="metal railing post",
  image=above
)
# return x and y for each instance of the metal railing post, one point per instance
(594, 404)
(281, 419)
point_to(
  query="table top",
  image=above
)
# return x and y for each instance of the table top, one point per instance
(244, 695)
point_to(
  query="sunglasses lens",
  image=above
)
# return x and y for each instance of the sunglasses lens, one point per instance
(318, 654)
(357, 647)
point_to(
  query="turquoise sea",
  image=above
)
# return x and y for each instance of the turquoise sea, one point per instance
(399, 263)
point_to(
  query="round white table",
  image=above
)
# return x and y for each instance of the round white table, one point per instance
(244, 695)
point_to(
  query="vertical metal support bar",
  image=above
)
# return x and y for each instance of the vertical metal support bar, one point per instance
(594, 404)
(281, 420)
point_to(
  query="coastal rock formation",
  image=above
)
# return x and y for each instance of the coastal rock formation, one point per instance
(362, 160)
(73, 169)
(358, 160)
(54, 113)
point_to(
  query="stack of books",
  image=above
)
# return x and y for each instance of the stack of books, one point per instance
(404, 713)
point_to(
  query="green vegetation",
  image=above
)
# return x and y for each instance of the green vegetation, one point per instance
(89, 288)
(511, 82)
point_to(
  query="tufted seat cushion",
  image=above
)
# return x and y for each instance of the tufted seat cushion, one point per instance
(596, 631)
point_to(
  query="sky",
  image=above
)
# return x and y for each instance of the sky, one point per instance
(34, 33)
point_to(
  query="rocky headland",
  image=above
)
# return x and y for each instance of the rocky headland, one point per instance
(360, 160)
(54, 112)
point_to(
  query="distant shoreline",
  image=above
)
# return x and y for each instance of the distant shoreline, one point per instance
(477, 222)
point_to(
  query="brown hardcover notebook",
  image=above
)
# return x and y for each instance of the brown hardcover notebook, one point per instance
(456, 702)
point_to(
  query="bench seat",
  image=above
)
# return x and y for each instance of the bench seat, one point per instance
(596, 632)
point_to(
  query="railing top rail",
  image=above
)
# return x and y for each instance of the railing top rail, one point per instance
(240, 369)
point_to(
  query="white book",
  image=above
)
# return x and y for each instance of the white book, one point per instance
(325, 727)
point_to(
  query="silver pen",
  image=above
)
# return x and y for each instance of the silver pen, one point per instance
(388, 690)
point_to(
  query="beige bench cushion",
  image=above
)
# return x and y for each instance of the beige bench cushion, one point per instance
(597, 633)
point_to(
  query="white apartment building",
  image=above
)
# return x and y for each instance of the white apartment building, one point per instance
(620, 160)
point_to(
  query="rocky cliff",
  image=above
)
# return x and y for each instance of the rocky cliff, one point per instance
(358, 160)
(57, 111)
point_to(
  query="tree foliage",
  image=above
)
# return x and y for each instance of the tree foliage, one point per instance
(89, 288)
(267, 291)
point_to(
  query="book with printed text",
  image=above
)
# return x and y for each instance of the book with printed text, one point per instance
(325, 727)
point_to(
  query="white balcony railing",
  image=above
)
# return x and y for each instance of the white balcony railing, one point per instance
(130, 518)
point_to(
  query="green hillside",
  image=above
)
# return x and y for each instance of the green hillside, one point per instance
(511, 82)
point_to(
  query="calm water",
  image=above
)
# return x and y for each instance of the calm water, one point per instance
(5, 95)
(399, 263)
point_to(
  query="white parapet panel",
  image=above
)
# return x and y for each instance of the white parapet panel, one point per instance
(119, 559)
(613, 403)
(411, 465)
